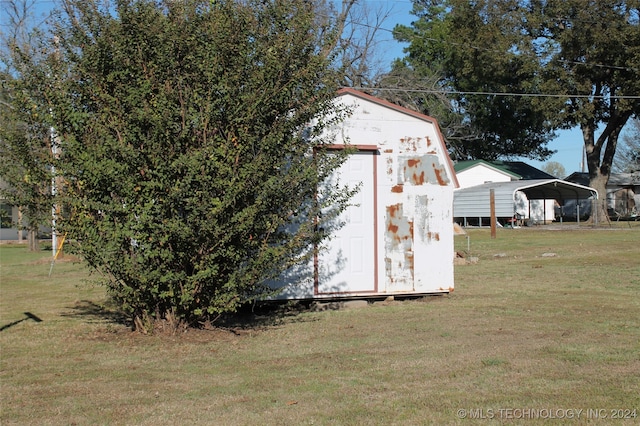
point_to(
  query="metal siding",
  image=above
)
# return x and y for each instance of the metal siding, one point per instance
(474, 201)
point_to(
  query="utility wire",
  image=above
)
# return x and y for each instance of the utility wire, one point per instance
(484, 49)
(529, 95)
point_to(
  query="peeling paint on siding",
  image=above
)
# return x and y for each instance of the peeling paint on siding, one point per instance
(399, 260)
(424, 169)
(409, 144)
(422, 219)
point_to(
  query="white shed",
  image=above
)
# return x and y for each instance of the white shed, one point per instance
(397, 237)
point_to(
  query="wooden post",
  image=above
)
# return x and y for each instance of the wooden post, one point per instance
(492, 203)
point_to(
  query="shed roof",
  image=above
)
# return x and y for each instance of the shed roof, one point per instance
(414, 114)
(474, 201)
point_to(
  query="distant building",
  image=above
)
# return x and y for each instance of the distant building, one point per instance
(9, 218)
(623, 192)
(523, 193)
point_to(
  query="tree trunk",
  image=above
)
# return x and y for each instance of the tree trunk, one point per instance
(599, 211)
(600, 162)
(597, 180)
(20, 226)
(34, 244)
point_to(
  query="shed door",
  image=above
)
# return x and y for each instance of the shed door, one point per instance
(347, 265)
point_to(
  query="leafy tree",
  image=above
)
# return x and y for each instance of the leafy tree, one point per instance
(555, 169)
(25, 135)
(26, 157)
(574, 63)
(193, 139)
(464, 44)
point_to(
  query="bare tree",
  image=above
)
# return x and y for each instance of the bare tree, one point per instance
(20, 21)
(627, 158)
(358, 49)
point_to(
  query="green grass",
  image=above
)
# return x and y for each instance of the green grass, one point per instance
(521, 331)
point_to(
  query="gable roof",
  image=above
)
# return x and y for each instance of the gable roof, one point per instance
(461, 166)
(382, 102)
(518, 169)
(615, 179)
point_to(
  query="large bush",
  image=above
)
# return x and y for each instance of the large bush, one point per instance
(191, 139)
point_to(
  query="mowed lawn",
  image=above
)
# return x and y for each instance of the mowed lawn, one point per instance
(544, 328)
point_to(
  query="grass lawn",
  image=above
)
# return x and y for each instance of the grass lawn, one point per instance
(524, 338)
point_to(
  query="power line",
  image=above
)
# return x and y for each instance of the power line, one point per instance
(528, 95)
(484, 49)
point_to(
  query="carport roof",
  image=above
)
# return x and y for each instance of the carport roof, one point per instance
(474, 201)
(552, 189)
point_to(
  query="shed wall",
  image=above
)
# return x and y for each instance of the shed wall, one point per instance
(413, 192)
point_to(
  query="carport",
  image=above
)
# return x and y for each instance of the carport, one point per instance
(473, 203)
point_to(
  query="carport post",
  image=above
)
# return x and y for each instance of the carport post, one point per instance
(492, 204)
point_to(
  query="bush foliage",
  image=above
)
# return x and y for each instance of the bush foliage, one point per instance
(192, 147)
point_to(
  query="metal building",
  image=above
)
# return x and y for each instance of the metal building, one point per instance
(472, 205)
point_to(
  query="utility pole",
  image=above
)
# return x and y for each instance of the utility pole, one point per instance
(54, 192)
(54, 183)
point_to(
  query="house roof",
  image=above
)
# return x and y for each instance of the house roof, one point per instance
(461, 166)
(519, 169)
(615, 179)
(474, 201)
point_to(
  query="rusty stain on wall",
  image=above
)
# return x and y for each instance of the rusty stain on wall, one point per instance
(408, 262)
(433, 236)
(424, 169)
(399, 228)
(397, 189)
(399, 262)
(409, 144)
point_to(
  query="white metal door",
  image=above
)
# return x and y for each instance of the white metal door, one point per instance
(347, 265)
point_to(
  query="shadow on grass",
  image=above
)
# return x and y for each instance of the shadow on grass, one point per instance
(250, 317)
(94, 313)
(263, 315)
(28, 316)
